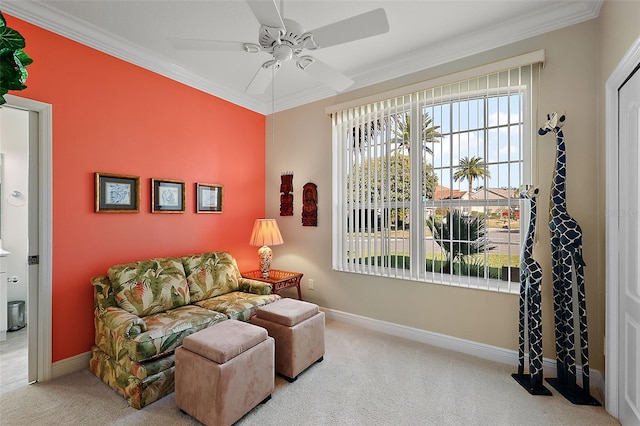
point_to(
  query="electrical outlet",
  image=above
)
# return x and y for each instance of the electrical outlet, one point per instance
(311, 284)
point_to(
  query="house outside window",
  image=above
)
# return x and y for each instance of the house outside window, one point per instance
(426, 185)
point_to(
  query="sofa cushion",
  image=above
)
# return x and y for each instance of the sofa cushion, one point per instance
(144, 369)
(166, 330)
(238, 305)
(150, 286)
(210, 274)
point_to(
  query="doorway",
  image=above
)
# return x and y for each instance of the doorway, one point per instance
(14, 222)
(623, 239)
(39, 248)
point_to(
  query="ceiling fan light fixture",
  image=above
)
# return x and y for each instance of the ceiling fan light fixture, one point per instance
(282, 52)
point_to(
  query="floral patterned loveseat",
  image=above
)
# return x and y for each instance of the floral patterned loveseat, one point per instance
(143, 310)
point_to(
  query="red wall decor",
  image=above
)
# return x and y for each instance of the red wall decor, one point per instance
(117, 117)
(310, 204)
(286, 199)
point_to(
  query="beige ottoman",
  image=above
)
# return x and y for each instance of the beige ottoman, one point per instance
(223, 371)
(298, 328)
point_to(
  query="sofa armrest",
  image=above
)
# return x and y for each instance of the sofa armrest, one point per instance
(121, 322)
(254, 286)
(107, 310)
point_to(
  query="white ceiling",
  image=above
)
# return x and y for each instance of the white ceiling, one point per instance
(422, 34)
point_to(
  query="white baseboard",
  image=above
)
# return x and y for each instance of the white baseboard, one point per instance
(70, 365)
(481, 350)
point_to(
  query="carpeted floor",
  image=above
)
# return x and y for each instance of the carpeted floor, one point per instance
(366, 378)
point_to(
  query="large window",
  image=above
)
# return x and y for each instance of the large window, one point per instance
(426, 185)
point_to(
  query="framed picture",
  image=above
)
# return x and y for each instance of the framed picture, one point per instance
(117, 193)
(167, 196)
(209, 198)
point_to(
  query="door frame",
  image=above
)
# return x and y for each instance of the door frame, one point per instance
(617, 78)
(45, 211)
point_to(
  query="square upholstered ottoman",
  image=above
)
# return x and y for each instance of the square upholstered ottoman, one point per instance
(223, 371)
(298, 328)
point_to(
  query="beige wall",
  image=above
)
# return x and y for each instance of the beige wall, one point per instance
(568, 83)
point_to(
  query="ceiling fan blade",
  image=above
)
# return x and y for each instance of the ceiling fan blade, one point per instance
(355, 28)
(267, 13)
(263, 77)
(324, 73)
(198, 44)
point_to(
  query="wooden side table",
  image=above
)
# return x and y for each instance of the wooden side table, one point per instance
(279, 280)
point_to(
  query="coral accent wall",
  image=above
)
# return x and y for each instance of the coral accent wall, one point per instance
(114, 117)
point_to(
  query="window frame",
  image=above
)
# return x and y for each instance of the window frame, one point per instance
(417, 249)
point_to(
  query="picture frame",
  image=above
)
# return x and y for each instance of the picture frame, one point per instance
(116, 193)
(209, 198)
(167, 196)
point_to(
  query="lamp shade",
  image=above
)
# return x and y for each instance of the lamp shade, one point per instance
(265, 233)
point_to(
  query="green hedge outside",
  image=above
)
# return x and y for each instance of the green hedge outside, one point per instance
(435, 265)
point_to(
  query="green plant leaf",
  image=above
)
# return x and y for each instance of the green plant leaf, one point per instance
(23, 57)
(11, 39)
(13, 60)
(22, 71)
(11, 73)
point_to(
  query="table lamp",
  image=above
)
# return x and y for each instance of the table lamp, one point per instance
(265, 233)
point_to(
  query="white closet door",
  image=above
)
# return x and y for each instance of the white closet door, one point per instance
(629, 231)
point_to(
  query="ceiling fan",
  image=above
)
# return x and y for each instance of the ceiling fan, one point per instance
(285, 40)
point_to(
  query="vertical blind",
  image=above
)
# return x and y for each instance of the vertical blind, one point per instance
(403, 203)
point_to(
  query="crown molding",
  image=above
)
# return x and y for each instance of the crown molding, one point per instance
(553, 16)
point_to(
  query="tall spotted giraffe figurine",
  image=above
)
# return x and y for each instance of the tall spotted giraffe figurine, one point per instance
(530, 307)
(566, 249)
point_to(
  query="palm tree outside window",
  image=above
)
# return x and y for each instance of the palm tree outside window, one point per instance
(471, 169)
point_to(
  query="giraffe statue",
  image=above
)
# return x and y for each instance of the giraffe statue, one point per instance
(566, 249)
(530, 307)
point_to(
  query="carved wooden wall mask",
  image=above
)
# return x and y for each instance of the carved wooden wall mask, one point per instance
(310, 204)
